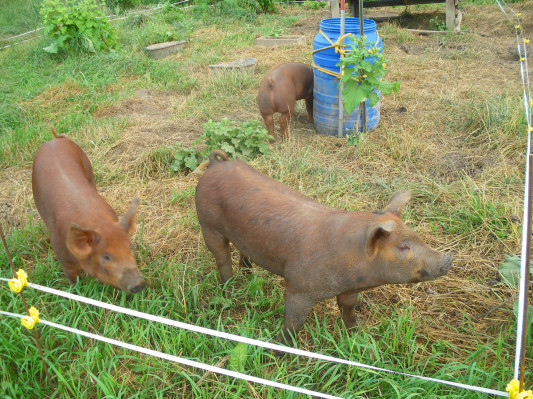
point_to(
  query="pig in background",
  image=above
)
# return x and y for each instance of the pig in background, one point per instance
(320, 251)
(280, 89)
(85, 231)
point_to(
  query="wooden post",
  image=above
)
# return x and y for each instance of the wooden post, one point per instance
(335, 9)
(451, 8)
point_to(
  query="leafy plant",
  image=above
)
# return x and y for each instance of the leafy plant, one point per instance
(437, 24)
(79, 25)
(355, 138)
(276, 32)
(314, 4)
(186, 158)
(266, 5)
(510, 272)
(364, 58)
(237, 359)
(247, 139)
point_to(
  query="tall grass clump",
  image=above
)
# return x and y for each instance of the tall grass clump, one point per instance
(18, 17)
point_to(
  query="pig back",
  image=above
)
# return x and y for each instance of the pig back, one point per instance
(63, 184)
(300, 75)
(265, 219)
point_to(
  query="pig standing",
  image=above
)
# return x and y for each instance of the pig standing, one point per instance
(280, 89)
(320, 251)
(85, 232)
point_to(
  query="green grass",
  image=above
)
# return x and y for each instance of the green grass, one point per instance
(19, 17)
(191, 293)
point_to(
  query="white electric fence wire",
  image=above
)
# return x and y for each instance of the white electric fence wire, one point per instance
(25, 33)
(22, 41)
(186, 362)
(148, 11)
(250, 341)
(526, 219)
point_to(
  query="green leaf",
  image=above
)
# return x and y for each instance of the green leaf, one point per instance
(374, 98)
(238, 357)
(220, 300)
(510, 271)
(352, 98)
(191, 162)
(52, 48)
(88, 44)
(227, 148)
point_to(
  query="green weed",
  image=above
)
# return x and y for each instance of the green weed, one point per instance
(77, 26)
(247, 139)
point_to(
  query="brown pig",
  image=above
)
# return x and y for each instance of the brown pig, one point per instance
(280, 89)
(85, 232)
(321, 252)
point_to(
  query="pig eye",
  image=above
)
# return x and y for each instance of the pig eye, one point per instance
(403, 251)
(106, 258)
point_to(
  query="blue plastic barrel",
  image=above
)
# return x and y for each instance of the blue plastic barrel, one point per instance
(326, 90)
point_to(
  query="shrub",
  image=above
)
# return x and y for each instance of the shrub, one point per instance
(314, 4)
(79, 25)
(248, 140)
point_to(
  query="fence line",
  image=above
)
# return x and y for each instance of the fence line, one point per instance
(521, 327)
(186, 362)
(251, 341)
(148, 11)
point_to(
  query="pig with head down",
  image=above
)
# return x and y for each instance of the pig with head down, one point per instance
(85, 232)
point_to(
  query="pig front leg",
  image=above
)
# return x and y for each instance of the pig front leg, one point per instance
(346, 302)
(297, 308)
(72, 271)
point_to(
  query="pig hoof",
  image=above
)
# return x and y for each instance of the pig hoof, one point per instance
(351, 323)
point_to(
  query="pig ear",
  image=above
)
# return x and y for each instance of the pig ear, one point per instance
(81, 241)
(128, 220)
(397, 202)
(375, 232)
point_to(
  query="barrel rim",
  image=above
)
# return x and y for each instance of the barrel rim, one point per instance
(350, 23)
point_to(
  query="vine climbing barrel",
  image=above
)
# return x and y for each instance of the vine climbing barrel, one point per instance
(326, 72)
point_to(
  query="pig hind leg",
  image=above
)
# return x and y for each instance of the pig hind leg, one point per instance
(309, 107)
(346, 303)
(269, 122)
(284, 123)
(219, 246)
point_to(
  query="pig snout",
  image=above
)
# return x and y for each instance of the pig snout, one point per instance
(131, 281)
(435, 268)
(447, 260)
